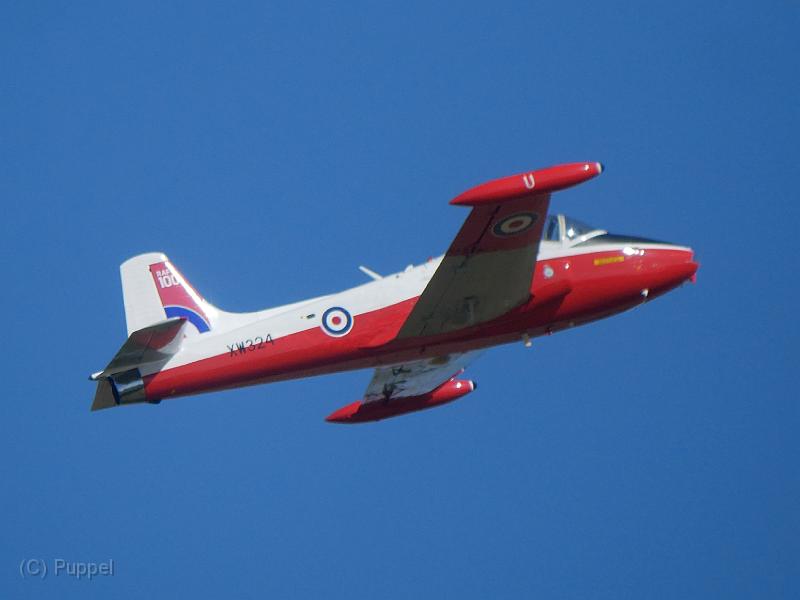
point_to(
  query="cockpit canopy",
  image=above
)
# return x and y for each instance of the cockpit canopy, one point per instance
(561, 228)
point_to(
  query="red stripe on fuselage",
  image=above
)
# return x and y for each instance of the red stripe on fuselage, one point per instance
(580, 289)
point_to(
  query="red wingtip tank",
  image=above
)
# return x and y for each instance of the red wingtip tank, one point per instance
(542, 181)
(364, 412)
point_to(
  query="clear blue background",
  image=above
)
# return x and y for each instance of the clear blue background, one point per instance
(269, 150)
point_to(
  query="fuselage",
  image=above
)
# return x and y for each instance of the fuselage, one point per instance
(574, 282)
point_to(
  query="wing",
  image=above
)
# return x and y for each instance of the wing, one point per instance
(488, 269)
(415, 378)
(407, 387)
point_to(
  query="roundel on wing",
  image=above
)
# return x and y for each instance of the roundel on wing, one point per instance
(336, 321)
(514, 224)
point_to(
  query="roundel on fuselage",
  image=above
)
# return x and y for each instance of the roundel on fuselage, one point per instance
(336, 321)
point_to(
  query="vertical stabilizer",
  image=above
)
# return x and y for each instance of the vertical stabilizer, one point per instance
(153, 290)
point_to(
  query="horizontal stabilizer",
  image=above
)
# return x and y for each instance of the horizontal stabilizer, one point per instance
(148, 345)
(104, 396)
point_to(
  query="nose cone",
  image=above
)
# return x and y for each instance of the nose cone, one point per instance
(690, 267)
(669, 267)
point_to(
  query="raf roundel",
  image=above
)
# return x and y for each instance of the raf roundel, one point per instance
(514, 224)
(336, 321)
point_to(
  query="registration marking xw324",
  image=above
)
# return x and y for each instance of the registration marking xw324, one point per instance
(249, 345)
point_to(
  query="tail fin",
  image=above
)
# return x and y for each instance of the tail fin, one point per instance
(153, 289)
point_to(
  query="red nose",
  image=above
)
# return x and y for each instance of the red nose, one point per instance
(670, 267)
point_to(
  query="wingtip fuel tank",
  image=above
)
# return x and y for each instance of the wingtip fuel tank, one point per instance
(541, 181)
(364, 412)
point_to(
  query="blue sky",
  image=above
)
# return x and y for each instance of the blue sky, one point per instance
(269, 150)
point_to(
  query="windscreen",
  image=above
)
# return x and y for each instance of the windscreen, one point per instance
(575, 229)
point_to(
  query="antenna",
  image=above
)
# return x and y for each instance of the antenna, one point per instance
(369, 272)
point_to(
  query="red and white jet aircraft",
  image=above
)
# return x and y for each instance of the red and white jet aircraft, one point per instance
(512, 273)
